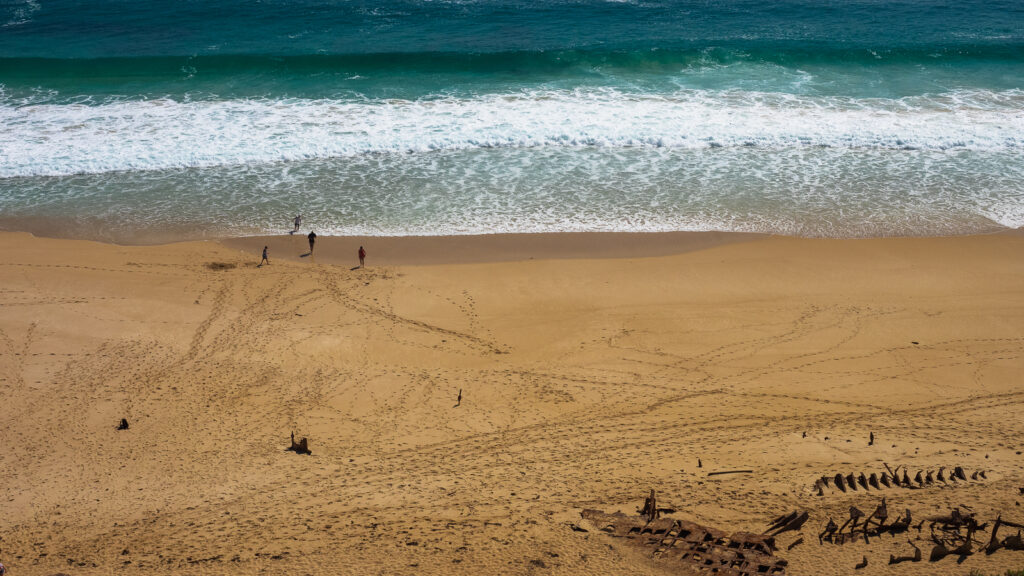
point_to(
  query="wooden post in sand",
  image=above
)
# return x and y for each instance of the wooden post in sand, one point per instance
(650, 509)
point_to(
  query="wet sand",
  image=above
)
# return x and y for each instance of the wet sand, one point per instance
(430, 250)
(593, 368)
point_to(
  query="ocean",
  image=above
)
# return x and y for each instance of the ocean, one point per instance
(137, 121)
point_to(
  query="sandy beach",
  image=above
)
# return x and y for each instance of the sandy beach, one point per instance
(592, 369)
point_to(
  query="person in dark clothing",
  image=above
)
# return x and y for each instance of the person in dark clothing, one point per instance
(265, 259)
(312, 240)
(362, 256)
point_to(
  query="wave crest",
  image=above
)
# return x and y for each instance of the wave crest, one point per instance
(51, 139)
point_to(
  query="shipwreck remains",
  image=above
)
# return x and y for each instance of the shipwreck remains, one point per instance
(701, 547)
(866, 526)
(893, 479)
(955, 534)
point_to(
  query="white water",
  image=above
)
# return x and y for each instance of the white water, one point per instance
(63, 139)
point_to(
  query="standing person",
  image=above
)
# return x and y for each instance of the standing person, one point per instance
(312, 240)
(362, 256)
(298, 222)
(265, 259)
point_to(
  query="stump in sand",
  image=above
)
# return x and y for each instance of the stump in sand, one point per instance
(300, 447)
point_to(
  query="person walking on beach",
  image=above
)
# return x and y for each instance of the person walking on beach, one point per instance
(298, 222)
(265, 259)
(362, 256)
(312, 240)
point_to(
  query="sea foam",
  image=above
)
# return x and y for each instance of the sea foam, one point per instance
(129, 135)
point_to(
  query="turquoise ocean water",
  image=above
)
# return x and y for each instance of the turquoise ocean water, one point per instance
(142, 120)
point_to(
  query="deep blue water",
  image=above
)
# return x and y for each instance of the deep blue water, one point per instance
(408, 117)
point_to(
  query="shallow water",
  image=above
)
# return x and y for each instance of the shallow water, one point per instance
(423, 117)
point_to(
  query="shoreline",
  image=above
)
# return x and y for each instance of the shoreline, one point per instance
(437, 250)
(488, 248)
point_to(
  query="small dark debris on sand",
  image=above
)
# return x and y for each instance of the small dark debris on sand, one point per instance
(300, 447)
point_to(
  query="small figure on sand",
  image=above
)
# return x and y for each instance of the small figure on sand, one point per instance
(459, 401)
(298, 222)
(3, 570)
(265, 259)
(312, 240)
(362, 257)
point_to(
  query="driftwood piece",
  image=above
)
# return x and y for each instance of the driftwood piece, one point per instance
(730, 472)
(792, 521)
(781, 521)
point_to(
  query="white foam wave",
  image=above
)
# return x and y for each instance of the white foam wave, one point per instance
(61, 139)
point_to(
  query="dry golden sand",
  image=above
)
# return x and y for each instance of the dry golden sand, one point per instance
(586, 382)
